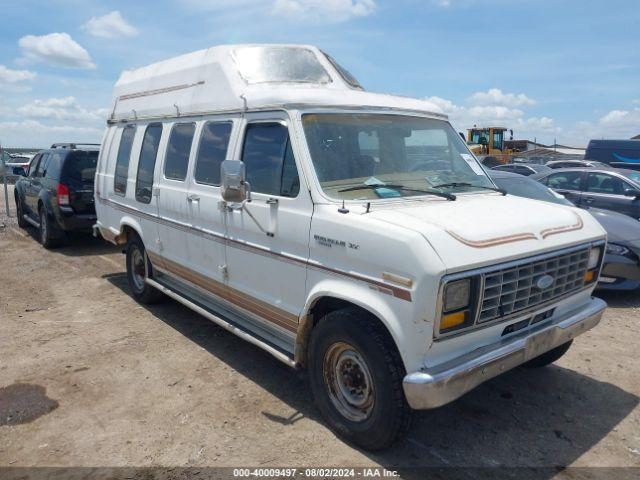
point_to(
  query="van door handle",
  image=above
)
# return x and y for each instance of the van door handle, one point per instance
(193, 198)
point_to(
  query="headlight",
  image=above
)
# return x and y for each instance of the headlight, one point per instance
(594, 257)
(456, 295)
(615, 249)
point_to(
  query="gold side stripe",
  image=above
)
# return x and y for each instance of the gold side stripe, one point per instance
(568, 228)
(277, 316)
(397, 292)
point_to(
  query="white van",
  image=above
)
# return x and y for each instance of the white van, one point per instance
(347, 233)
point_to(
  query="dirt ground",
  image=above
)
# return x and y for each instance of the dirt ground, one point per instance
(107, 382)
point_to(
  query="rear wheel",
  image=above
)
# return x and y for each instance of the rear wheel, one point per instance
(549, 357)
(46, 235)
(22, 223)
(138, 270)
(356, 377)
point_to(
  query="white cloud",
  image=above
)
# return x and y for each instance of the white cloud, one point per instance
(56, 49)
(495, 96)
(65, 108)
(111, 25)
(35, 134)
(329, 10)
(14, 76)
(616, 124)
(488, 108)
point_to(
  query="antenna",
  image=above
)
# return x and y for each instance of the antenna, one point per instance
(343, 209)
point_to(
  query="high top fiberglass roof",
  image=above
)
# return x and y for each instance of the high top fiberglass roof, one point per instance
(244, 77)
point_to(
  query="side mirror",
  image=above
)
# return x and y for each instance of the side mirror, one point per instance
(630, 192)
(234, 187)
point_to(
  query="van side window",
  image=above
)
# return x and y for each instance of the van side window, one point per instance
(176, 160)
(122, 162)
(147, 162)
(212, 152)
(269, 160)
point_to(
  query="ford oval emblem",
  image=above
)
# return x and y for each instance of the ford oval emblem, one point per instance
(544, 282)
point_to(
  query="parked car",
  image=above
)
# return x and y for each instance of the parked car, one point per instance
(347, 233)
(18, 164)
(617, 190)
(616, 153)
(576, 164)
(621, 270)
(525, 169)
(57, 195)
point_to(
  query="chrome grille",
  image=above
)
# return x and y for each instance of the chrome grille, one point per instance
(513, 289)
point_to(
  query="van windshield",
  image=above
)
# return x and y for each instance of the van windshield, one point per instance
(373, 150)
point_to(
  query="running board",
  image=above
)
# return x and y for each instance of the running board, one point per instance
(31, 220)
(223, 323)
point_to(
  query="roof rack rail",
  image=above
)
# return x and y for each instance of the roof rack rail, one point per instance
(73, 145)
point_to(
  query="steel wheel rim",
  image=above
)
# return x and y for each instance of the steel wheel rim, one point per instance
(138, 268)
(348, 381)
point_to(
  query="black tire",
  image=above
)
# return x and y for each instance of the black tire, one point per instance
(549, 357)
(137, 261)
(47, 238)
(22, 223)
(386, 416)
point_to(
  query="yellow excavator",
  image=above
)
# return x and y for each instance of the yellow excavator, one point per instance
(487, 143)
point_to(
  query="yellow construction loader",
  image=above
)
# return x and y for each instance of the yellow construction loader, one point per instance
(487, 143)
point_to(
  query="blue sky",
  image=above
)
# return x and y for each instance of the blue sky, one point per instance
(565, 69)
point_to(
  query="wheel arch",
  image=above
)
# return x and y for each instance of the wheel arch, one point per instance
(325, 300)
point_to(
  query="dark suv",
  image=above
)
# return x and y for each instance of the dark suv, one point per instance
(56, 194)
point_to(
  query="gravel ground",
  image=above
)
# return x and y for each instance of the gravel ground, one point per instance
(107, 382)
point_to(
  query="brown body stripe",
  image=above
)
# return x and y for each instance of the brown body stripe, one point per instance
(397, 292)
(280, 317)
(568, 228)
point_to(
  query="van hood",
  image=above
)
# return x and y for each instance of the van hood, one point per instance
(481, 229)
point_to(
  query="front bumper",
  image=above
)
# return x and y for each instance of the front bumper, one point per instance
(443, 384)
(619, 273)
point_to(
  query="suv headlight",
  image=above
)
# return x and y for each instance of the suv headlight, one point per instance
(615, 249)
(458, 304)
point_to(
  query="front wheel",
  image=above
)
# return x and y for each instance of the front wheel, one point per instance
(356, 377)
(138, 270)
(22, 223)
(549, 357)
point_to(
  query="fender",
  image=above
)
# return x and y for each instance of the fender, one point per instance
(396, 320)
(131, 222)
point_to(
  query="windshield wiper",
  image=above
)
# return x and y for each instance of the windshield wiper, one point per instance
(373, 186)
(466, 184)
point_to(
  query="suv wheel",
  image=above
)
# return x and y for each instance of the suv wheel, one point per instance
(356, 377)
(46, 238)
(549, 357)
(22, 223)
(138, 270)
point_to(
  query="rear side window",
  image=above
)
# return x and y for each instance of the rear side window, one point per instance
(177, 159)
(603, 183)
(122, 162)
(212, 152)
(564, 180)
(269, 160)
(80, 168)
(147, 162)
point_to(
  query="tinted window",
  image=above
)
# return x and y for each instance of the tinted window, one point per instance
(80, 167)
(44, 161)
(525, 187)
(603, 183)
(147, 162)
(564, 180)
(269, 160)
(211, 152)
(178, 149)
(33, 167)
(633, 176)
(122, 162)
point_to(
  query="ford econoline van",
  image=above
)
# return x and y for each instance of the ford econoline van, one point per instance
(347, 233)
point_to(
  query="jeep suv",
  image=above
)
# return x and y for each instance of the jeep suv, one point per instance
(56, 194)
